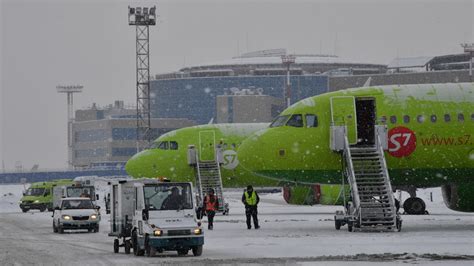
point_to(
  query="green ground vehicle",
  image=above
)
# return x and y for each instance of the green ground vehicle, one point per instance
(39, 195)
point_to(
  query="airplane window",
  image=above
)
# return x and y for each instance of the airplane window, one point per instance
(163, 145)
(279, 121)
(393, 119)
(472, 117)
(233, 146)
(173, 145)
(447, 118)
(295, 121)
(383, 119)
(154, 145)
(406, 119)
(420, 118)
(224, 146)
(433, 118)
(461, 117)
(311, 121)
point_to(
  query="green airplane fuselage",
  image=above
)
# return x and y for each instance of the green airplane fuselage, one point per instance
(430, 135)
(168, 156)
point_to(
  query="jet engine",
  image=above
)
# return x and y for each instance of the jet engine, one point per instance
(459, 197)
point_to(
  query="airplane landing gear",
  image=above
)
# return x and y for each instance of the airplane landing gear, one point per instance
(414, 205)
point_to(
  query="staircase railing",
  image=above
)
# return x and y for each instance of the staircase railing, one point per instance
(198, 181)
(386, 177)
(351, 177)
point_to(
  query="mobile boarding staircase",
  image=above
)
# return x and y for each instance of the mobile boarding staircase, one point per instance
(208, 175)
(372, 205)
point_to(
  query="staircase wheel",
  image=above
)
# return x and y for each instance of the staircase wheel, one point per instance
(350, 226)
(399, 225)
(337, 223)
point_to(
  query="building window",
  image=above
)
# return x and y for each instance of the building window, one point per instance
(447, 118)
(393, 119)
(173, 145)
(91, 135)
(420, 118)
(125, 152)
(311, 121)
(406, 119)
(461, 117)
(295, 121)
(433, 118)
(100, 152)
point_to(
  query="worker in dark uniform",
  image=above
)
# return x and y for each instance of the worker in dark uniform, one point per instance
(174, 201)
(250, 199)
(210, 205)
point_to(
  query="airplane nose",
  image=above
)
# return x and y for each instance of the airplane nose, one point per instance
(140, 165)
(250, 153)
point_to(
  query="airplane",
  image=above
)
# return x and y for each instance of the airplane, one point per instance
(167, 157)
(430, 139)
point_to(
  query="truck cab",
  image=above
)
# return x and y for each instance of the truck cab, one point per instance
(39, 195)
(76, 213)
(160, 217)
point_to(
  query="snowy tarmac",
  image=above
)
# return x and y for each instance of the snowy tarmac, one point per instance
(302, 235)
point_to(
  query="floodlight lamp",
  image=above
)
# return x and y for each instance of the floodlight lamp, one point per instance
(152, 11)
(131, 11)
(138, 11)
(145, 11)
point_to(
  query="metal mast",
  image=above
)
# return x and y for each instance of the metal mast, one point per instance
(69, 90)
(142, 18)
(287, 60)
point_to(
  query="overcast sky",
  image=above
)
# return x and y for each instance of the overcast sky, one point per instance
(46, 43)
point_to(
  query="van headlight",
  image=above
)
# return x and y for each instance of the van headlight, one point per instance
(93, 216)
(197, 231)
(158, 232)
(36, 201)
(66, 217)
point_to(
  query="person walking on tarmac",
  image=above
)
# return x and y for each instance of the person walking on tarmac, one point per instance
(250, 199)
(211, 203)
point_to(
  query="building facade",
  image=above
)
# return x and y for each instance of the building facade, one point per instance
(107, 137)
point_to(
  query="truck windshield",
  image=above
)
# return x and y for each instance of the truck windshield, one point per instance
(77, 204)
(34, 192)
(168, 196)
(87, 192)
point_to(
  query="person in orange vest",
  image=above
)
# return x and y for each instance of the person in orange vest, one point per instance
(250, 199)
(210, 206)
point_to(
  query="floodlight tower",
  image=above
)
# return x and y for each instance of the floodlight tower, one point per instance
(287, 60)
(469, 48)
(69, 90)
(142, 18)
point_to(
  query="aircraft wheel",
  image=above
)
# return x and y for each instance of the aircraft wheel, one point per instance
(399, 225)
(42, 208)
(414, 205)
(24, 210)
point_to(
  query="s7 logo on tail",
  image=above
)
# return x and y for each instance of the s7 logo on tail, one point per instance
(401, 142)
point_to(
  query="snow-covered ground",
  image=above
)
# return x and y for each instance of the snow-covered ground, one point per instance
(303, 235)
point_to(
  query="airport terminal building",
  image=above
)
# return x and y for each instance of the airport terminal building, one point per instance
(191, 92)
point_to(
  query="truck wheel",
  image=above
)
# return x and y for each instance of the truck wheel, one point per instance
(137, 251)
(183, 252)
(127, 246)
(55, 229)
(116, 245)
(96, 230)
(149, 250)
(337, 224)
(197, 251)
(61, 229)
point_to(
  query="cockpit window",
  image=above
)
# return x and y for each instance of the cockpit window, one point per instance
(295, 121)
(279, 121)
(311, 121)
(154, 145)
(163, 145)
(173, 145)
